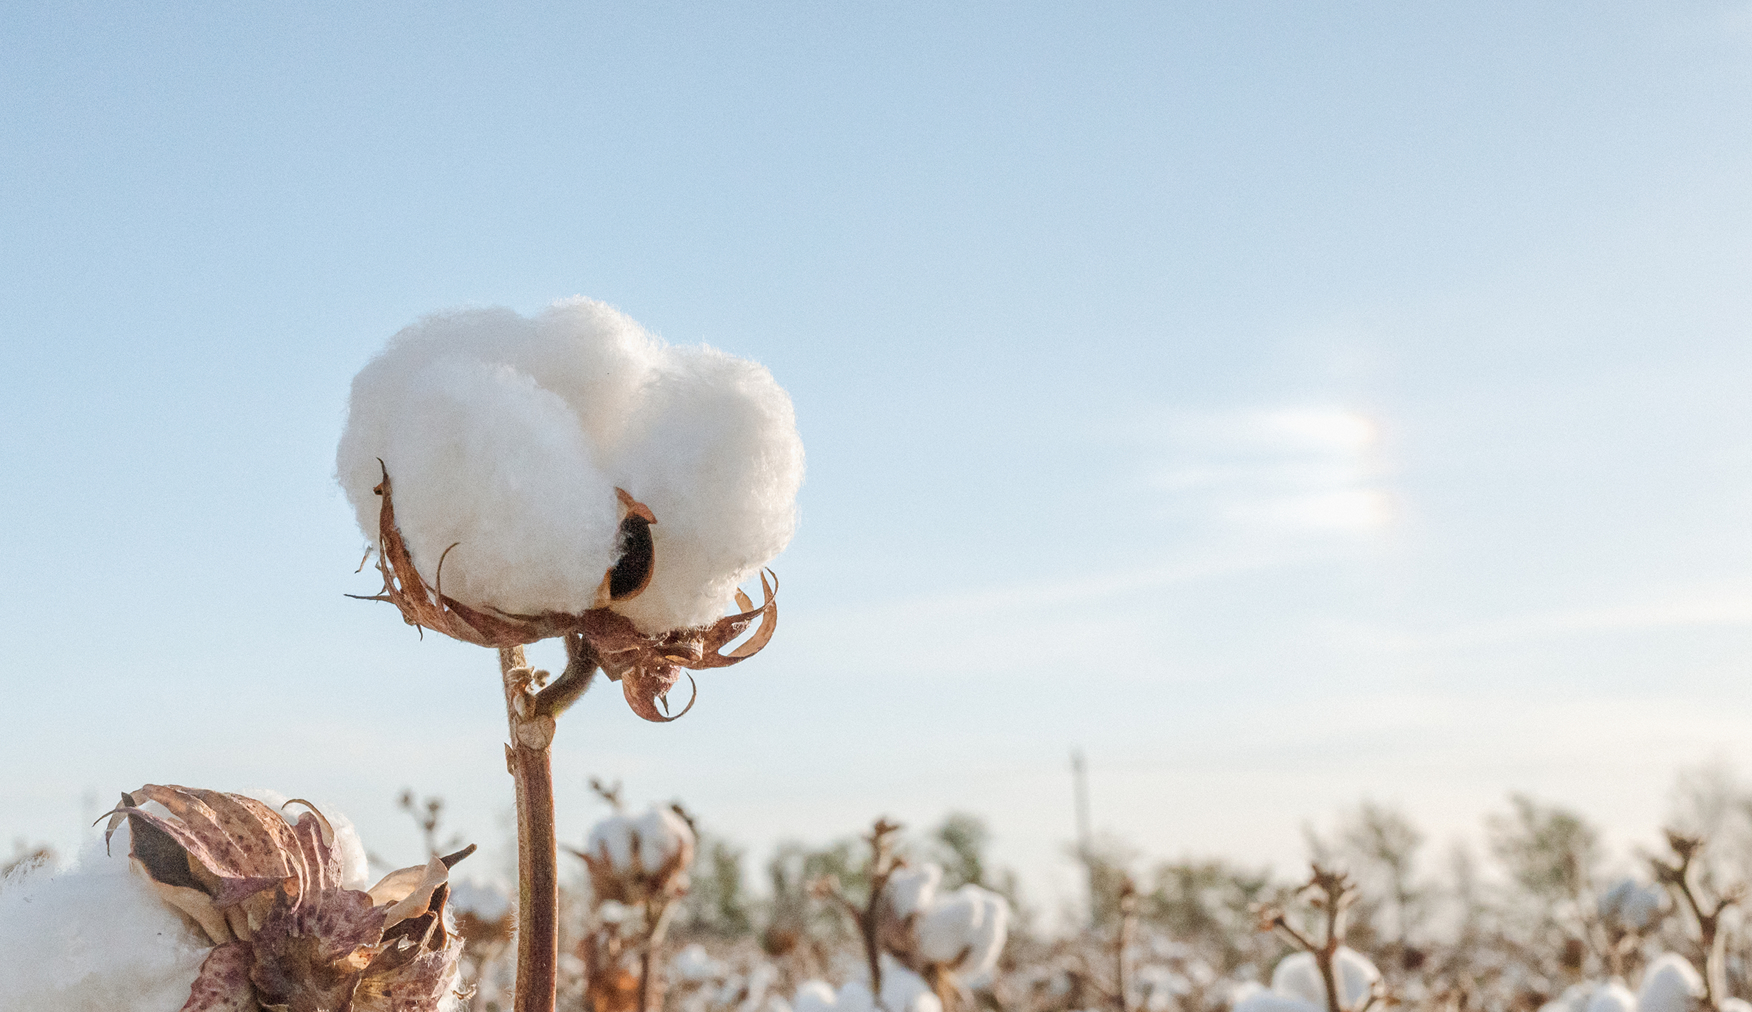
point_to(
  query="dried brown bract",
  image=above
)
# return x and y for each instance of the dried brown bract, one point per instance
(287, 934)
(647, 665)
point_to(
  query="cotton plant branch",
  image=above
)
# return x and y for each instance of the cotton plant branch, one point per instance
(1676, 875)
(868, 917)
(1330, 892)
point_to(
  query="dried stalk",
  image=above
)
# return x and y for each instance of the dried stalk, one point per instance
(1331, 892)
(1128, 922)
(868, 919)
(529, 760)
(1711, 939)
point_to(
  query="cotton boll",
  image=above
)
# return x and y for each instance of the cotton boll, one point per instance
(93, 938)
(1356, 976)
(911, 890)
(696, 965)
(1298, 975)
(906, 991)
(1734, 1005)
(815, 996)
(1612, 997)
(507, 437)
(965, 930)
(1631, 903)
(1671, 984)
(1251, 997)
(713, 451)
(484, 459)
(657, 835)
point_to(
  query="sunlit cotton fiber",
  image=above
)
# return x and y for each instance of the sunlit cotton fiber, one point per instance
(1670, 984)
(656, 837)
(93, 938)
(507, 436)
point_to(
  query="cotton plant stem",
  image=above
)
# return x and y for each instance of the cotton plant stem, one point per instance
(529, 761)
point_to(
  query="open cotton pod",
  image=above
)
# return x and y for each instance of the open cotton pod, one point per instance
(269, 895)
(635, 860)
(570, 474)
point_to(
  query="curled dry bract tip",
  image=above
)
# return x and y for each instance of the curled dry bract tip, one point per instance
(286, 933)
(647, 665)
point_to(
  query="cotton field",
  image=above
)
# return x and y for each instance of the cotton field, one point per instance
(203, 900)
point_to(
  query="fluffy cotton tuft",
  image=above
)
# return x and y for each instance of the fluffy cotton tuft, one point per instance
(93, 938)
(657, 836)
(1631, 903)
(1612, 997)
(965, 929)
(912, 889)
(1298, 976)
(1671, 984)
(507, 437)
(1252, 997)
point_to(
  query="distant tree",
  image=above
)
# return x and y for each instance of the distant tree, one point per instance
(961, 842)
(717, 901)
(1210, 904)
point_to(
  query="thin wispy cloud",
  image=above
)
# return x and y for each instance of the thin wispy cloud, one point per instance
(1290, 469)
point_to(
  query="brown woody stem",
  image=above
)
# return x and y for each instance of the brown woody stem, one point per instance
(530, 764)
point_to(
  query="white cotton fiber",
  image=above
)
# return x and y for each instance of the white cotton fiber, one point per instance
(658, 835)
(1298, 975)
(814, 996)
(965, 929)
(911, 890)
(507, 436)
(93, 938)
(1252, 997)
(1612, 997)
(1671, 984)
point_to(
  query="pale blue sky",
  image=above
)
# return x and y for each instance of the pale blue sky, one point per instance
(1286, 402)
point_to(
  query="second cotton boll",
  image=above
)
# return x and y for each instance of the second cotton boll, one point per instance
(508, 437)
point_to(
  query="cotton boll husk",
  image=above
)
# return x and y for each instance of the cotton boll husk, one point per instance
(355, 867)
(93, 938)
(1251, 997)
(1671, 984)
(507, 436)
(970, 920)
(1612, 997)
(911, 890)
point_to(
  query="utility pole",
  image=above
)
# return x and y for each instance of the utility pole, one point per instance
(1085, 847)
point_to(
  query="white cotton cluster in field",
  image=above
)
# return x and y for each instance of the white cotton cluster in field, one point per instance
(1296, 984)
(507, 436)
(1670, 984)
(645, 842)
(902, 991)
(485, 901)
(701, 983)
(1631, 903)
(963, 930)
(93, 938)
